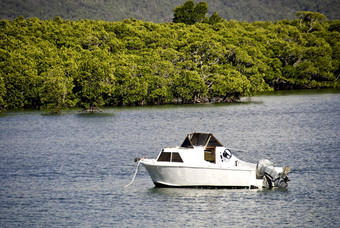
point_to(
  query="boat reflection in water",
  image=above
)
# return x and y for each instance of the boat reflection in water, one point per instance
(202, 161)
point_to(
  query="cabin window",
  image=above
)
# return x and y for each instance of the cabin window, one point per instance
(164, 157)
(176, 157)
(167, 157)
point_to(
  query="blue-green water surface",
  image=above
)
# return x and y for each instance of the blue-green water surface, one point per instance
(69, 170)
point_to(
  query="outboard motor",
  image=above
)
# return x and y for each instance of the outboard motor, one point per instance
(265, 170)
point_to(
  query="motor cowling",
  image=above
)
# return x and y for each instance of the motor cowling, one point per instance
(266, 171)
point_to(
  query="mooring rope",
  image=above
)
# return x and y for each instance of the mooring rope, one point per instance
(134, 176)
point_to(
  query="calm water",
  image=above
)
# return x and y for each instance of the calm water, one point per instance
(69, 170)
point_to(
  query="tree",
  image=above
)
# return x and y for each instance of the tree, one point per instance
(130, 89)
(56, 92)
(200, 11)
(229, 85)
(184, 13)
(191, 14)
(309, 19)
(215, 18)
(188, 86)
(95, 81)
(2, 93)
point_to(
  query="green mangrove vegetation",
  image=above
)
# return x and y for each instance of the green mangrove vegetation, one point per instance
(57, 64)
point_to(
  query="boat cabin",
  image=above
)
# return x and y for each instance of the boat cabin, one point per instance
(206, 140)
(203, 141)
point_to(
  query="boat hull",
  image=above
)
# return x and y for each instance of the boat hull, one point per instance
(188, 176)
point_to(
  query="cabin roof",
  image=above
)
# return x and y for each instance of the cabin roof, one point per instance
(200, 139)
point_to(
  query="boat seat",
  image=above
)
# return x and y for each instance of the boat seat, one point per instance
(209, 156)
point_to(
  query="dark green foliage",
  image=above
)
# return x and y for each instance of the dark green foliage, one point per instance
(189, 13)
(57, 64)
(185, 13)
(215, 18)
(55, 91)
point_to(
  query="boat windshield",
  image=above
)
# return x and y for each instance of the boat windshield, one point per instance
(200, 139)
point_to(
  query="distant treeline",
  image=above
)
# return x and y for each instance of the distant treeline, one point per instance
(161, 11)
(56, 64)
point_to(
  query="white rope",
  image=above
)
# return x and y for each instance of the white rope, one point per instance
(134, 176)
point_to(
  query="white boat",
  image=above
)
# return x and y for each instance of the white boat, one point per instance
(202, 161)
